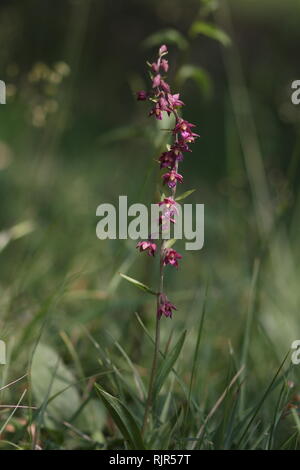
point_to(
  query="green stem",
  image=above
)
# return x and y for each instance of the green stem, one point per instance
(156, 345)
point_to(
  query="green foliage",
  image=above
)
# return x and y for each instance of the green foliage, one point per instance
(211, 31)
(185, 195)
(52, 386)
(169, 36)
(123, 419)
(167, 364)
(199, 76)
(138, 284)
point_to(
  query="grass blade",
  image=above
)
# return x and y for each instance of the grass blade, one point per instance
(167, 364)
(123, 419)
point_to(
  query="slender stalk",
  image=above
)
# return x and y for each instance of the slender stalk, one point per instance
(156, 344)
(165, 102)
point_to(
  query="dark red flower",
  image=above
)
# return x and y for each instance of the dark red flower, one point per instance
(147, 246)
(163, 104)
(171, 256)
(164, 65)
(156, 111)
(182, 146)
(155, 67)
(167, 159)
(169, 209)
(185, 129)
(165, 307)
(156, 81)
(171, 178)
(174, 100)
(163, 50)
(167, 201)
(165, 86)
(141, 95)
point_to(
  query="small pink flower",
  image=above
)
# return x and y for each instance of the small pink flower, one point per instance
(156, 81)
(177, 150)
(171, 178)
(147, 246)
(165, 86)
(169, 209)
(163, 50)
(155, 67)
(165, 306)
(163, 104)
(171, 256)
(168, 202)
(164, 65)
(182, 146)
(141, 95)
(167, 159)
(183, 125)
(174, 100)
(156, 111)
(185, 129)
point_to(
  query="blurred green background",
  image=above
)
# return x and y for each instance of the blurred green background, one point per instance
(72, 136)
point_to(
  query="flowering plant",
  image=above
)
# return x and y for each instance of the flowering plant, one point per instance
(163, 100)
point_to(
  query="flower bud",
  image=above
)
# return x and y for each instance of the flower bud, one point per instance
(163, 50)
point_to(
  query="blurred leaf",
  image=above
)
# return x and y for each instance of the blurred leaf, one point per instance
(116, 279)
(195, 362)
(170, 243)
(138, 284)
(211, 31)
(92, 418)
(167, 364)
(169, 36)
(208, 6)
(123, 419)
(199, 75)
(248, 328)
(136, 375)
(118, 134)
(12, 413)
(179, 380)
(288, 442)
(214, 409)
(185, 195)
(261, 402)
(15, 446)
(15, 232)
(49, 376)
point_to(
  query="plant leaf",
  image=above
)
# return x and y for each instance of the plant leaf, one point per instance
(170, 36)
(170, 243)
(185, 195)
(123, 419)
(15, 232)
(211, 31)
(167, 364)
(199, 75)
(138, 284)
(50, 377)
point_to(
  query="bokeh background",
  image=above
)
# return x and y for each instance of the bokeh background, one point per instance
(73, 136)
